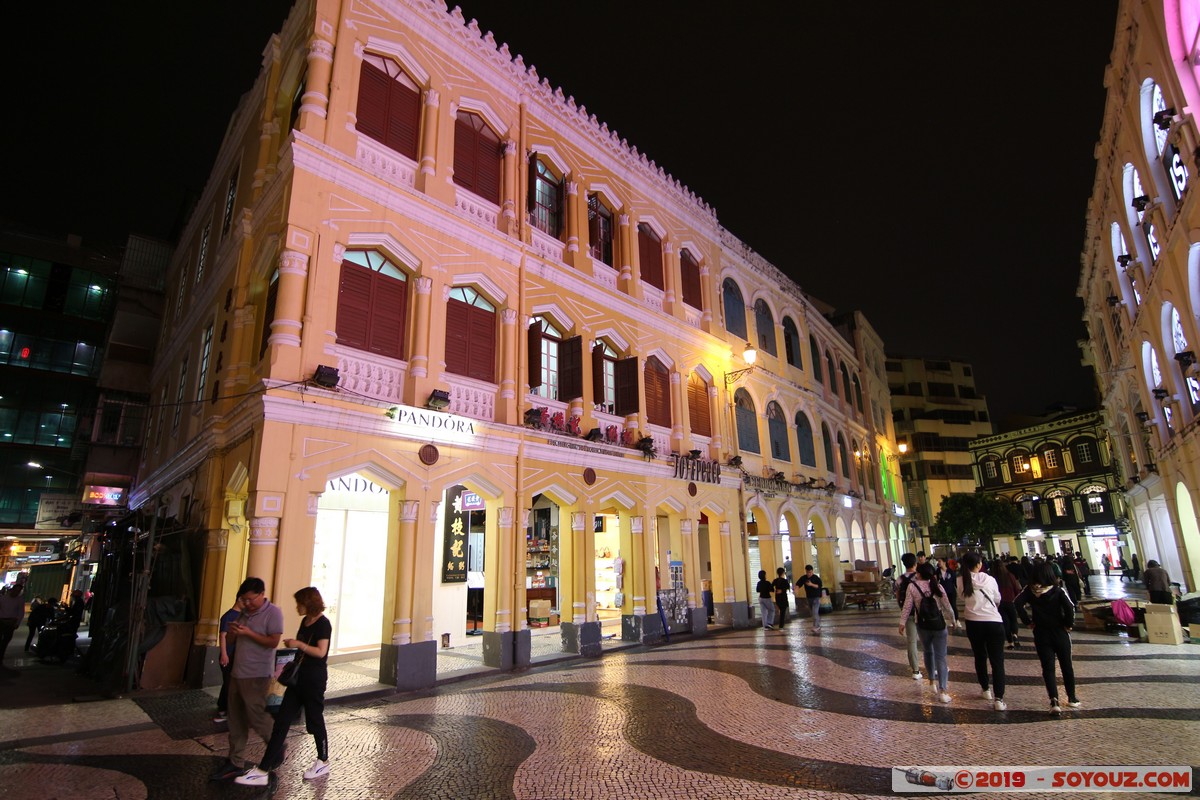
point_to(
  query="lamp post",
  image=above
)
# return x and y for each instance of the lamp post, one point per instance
(749, 356)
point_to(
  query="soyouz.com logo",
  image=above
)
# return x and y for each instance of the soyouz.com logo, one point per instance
(949, 780)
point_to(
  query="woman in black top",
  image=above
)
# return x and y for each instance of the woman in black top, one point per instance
(312, 642)
(1052, 619)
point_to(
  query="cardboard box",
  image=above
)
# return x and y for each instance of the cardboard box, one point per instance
(554, 619)
(539, 609)
(1162, 624)
(860, 576)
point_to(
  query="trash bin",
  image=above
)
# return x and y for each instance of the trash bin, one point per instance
(839, 601)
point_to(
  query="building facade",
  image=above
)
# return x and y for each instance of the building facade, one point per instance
(441, 343)
(937, 414)
(1060, 474)
(1140, 277)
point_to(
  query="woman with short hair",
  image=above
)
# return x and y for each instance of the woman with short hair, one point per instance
(312, 642)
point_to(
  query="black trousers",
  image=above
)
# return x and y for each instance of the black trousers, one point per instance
(1008, 613)
(987, 643)
(1052, 644)
(309, 695)
(1162, 597)
(783, 609)
(223, 697)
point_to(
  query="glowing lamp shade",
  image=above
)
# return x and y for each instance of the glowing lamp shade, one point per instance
(750, 354)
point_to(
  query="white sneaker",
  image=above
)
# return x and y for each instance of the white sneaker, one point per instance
(319, 769)
(1001, 705)
(255, 777)
(986, 694)
(1074, 703)
(944, 697)
(917, 675)
(1055, 708)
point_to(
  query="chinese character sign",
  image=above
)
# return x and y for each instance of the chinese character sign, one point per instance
(454, 537)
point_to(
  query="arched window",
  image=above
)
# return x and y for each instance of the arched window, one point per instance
(1123, 260)
(470, 335)
(827, 440)
(372, 310)
(815, 355)
(1059, 500)
(545, 198)
(389, 105)
(1140, 202)
(1157, 378)
(600, 230)
(1095, 500)
(1179, 340)
(658, 393)
(804, 440)
(477, 157)
(990, 469)
(1158, 120)
(698, 412)
(846, 394)
(555, 363)
(604, 376)
(859, 457)
(858, 395)
(777, 430)
(735, 308)
(747, 422)
(833, 384)
(689, 279)
(764, 323)
(791, 344)
(650, 256)
(841, 445)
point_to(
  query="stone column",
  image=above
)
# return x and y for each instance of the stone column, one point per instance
(405, 662)
(508, 203)
(289, 302)
(572, 219)
(678, 411)
(314, 103)
(625, 260)
(264, 542)
(427, 157)
(419, 359)
(670, 276)
(204, 643)
(582, 634)
(691, 575)
(510, 342)
(522, 637)
(498, 641)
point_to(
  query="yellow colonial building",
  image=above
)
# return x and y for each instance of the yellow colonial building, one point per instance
(442, 344)
(1140, 279)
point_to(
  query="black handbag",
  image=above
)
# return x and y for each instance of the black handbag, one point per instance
(290, 674)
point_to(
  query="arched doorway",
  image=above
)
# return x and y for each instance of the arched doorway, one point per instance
(1191, 536)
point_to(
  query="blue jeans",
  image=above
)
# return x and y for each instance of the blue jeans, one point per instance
(815, 604)
(767, 606)
(934, 643)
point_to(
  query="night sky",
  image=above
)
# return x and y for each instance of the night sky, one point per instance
(927, 163)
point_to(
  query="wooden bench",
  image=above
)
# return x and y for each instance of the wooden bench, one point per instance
(864, 594)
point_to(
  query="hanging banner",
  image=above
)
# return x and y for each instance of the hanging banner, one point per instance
(454, 536)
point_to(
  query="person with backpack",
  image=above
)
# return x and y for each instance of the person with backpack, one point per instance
(1010, 587)
(766, 600)
(1052, 619)
(783, 588)
(985, 627)
(926, 601)
(910, 628)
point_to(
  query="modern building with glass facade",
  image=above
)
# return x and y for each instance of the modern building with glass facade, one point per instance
(1140, 278)
(440, 342)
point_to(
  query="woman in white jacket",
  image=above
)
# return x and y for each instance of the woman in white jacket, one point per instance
(985, 626)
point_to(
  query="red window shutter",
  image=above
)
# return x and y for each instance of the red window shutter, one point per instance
(698, 412)
(533, 344)
(404, 119)
(457, 341)
(650, 251)
(354, 306)
(388, 314)
(658, 394)
(689, 274)
(482, 361)
(464, 152)
(570, 368)
(372, 111)
(627, 386)
(487, 167)
(598, 374)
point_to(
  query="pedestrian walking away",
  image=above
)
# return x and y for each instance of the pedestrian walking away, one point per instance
(810, 582)
(1053, 616)
(1010, 587)
(910, 628)
(312, 644)
(39, 615)
(12, 611)
(1158, 583)
(256, 634)
(933, 624)
(766, 600)
(226, 649)
(985, 627)
(782, 589)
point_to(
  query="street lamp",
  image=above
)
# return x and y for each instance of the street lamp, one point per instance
(749, 355)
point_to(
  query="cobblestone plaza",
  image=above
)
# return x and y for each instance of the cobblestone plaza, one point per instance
(745, 713)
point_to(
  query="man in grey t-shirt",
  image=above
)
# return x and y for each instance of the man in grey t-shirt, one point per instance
(257, 633)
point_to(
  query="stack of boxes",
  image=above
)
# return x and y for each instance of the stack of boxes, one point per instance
(539, 613)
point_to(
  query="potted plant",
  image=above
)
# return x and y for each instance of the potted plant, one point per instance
(646, 445)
